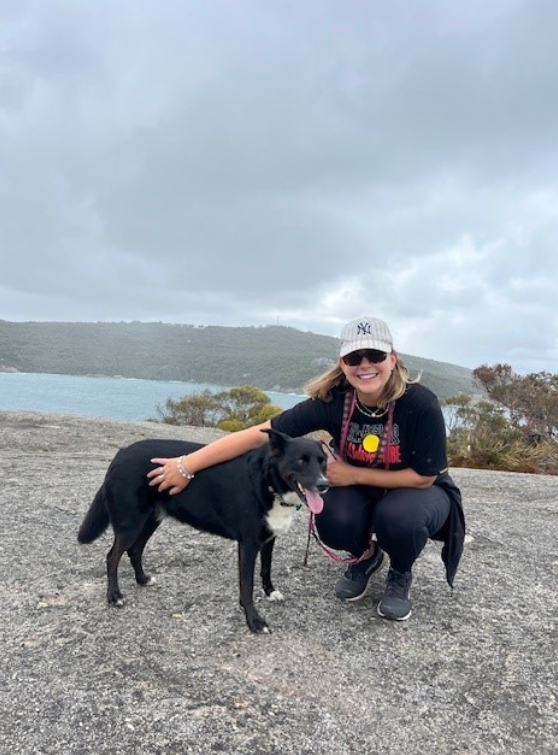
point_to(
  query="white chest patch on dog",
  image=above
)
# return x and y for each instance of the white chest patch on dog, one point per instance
(280, 518)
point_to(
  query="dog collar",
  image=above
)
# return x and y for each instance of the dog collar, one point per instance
(282, 502)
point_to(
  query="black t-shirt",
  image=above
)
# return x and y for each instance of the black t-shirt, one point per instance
(418, 441)
(418, 436)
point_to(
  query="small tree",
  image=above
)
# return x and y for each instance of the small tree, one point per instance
(460, 414)
(515, 430)
(530, 402)
(235, 409)
(475, 430)
(197, 410)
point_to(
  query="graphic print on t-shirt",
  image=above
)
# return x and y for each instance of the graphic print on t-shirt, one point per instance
(363, 442)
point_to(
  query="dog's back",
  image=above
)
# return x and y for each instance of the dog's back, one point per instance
(211, 502)
(125, 490)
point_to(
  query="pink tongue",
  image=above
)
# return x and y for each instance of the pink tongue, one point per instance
(314, 501)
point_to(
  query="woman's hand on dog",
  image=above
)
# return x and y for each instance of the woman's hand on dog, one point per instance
(339, 472)
(166, 477)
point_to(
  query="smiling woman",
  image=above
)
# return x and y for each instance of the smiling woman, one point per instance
(368, 363)
(390, 489)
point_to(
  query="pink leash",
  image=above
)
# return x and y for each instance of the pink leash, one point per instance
(350, 400)
(333, 556)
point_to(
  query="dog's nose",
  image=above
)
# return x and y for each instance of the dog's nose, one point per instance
(323, 485)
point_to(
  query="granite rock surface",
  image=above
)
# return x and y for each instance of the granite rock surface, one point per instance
(177, 671)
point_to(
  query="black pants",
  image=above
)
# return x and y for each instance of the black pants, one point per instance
(403, 520)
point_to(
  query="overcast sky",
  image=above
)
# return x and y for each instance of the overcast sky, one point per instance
(254, 162)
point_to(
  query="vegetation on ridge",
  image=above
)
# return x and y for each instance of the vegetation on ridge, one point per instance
(270, 358)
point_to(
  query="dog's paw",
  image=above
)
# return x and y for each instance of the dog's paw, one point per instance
(261, 628)
(145, 579)
(115, 598)
(275, 597)
(257, 625)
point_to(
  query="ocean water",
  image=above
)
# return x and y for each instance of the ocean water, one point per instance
(110, 398)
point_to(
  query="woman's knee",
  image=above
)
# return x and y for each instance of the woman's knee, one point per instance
(346, 520)
(408, 509)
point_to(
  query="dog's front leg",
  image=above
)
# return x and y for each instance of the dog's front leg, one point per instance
(247, 554)
(266, 553)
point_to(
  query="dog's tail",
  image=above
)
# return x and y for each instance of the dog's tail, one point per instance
(96, 520)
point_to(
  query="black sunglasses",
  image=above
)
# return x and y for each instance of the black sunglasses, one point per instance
(373, 355)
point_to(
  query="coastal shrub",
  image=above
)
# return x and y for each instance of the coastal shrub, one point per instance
(515, 430)
(196, 410)
(231, 410)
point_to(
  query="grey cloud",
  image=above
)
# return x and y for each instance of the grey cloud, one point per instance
(309, 163)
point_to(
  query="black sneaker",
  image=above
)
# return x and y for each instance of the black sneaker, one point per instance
(396, 603)
(353, 585)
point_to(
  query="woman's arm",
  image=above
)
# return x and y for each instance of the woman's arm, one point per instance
(341, 473)
(166, 476)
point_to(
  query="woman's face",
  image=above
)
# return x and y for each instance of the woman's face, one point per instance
(369, 378)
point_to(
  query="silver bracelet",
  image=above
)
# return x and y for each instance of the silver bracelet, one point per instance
(183, 472)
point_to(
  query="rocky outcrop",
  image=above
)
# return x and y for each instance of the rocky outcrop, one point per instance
(176, 670)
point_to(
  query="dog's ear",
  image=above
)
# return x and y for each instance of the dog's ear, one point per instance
(277, 440)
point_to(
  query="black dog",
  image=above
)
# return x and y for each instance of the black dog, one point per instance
(249, 499)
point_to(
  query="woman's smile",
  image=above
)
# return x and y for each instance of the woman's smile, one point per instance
(368, 378)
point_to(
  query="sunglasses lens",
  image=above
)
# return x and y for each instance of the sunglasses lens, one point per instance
(352, 360)
(373, 355)
(377, 356)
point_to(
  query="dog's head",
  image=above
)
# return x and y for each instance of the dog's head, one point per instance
(301, 463)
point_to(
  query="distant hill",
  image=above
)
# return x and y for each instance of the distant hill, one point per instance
(271, 357)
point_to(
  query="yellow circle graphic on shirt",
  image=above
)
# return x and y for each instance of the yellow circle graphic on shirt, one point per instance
(370, 443)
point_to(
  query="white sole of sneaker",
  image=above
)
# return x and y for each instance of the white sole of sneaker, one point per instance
(361, 596)
(392, 618)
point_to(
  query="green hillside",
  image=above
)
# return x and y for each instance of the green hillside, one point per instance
(270, 357)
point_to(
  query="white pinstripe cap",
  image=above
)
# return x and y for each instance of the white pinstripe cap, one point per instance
(365, 333)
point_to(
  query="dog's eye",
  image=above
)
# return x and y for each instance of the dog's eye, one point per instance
(302, 461)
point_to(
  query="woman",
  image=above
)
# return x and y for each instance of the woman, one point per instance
(390, 489)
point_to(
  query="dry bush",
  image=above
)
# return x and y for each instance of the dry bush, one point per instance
(517, 456)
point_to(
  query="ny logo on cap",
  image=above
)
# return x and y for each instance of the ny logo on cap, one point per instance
(365, 328)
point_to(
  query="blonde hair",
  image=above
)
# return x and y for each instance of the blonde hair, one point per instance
(322, 386)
